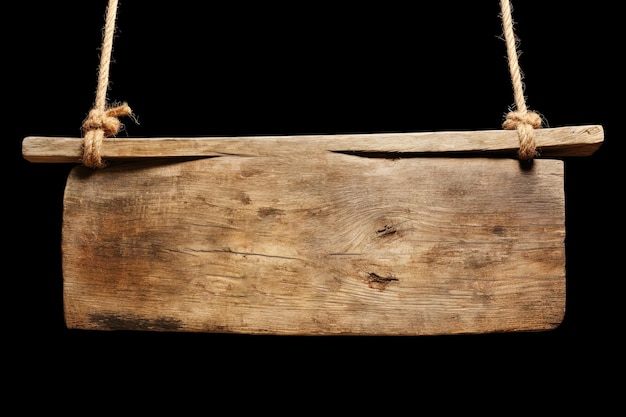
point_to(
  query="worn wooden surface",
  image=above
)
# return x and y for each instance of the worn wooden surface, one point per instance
(552, 142)
(316, 244)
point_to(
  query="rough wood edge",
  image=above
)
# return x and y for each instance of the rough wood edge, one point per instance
(551, 142)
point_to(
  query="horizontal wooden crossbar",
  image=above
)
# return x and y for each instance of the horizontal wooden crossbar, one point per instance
(551, 142)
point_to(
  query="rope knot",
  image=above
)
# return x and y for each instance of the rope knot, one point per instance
(524, 122)
(98, 125)
(106, 120)
(516, 118)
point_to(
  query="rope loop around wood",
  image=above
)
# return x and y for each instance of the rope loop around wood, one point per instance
(98, 125)
(525, 123)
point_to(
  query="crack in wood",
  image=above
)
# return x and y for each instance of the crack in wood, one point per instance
(248, 254)
(386, 230)
(379, 282)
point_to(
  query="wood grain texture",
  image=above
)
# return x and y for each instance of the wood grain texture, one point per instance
(318, 244)
(552, 142)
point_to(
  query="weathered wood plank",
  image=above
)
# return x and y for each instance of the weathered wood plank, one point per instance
(552, 142)
(318, 244)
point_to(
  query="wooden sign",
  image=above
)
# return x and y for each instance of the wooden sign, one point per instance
(391, 234)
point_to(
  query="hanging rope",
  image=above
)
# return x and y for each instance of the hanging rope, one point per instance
(521, 119)
(102, 120)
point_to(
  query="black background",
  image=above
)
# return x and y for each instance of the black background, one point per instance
(197, 69)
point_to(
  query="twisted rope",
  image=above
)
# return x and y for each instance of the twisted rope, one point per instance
(521, 119)
(102, 120)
